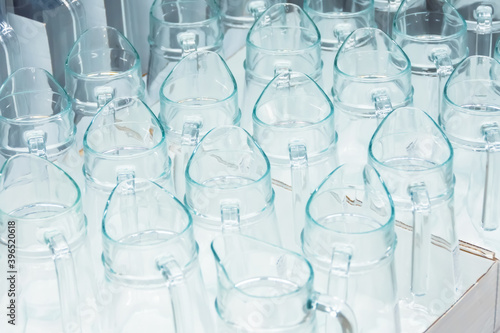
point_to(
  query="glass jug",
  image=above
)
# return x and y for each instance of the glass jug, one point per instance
(151, 264)
(336, 20)
(471, 120)
(36, 118)
(284, 38)
(102, 65)
(264, 288)
(293, 123)
(415, 160)
(199, 94)
(228, 189)
(385, 10)
(54, 15)
(434, 36)
(483, 24)
(44, 250)
(10, 53)
(125, 140)
(238, 16)
(176, 29)
(372, 76)
(349, 239)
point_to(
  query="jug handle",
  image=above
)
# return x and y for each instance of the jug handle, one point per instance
(300, 185)
(37, 142)
(189, 139)
(441, 58)
(338, 309)
(339, 271)
(182, 307)
(66, 278)
(421, 238)
(484, 30)
(491, 208)
(382, 103)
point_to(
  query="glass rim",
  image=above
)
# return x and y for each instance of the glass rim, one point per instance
(257, 121)
(271, 246)
(462, 31)
(115, 242)
(317, 42)
(336, 15)
(213, 10)
(87, 149)
(85, 76)
(447, 161)
(74, 206)
(388, 224)
(464, 63)
(191, 182)
(403, 72)
(234, 91)
(64, 112)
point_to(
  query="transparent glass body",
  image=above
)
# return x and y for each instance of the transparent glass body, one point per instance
(349, 239)
(52, 278)
(293, 123)
(415, 160)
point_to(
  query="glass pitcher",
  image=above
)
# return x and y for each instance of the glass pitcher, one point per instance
(176, 29)
(199, 94)
(293, 123)
(102, 65)
(415, 160)
(238, 16)
(283, 38)
(150, 259)
(471, 120)
(483, 24)
(10, 52)
(385, 10)
(264, 288)
(125, 140)
(372, 76)
(44, 250)
(349, 239)
(64, 21)
(434, 36)
(228, 189)
(336, 20)
(36, 118)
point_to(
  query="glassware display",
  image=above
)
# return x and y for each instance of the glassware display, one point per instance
(43, 233)
(125, 140)
(176, 29)
(372, 76)
(151, 263)
(349, 239)
(336, 20)
(471, 120)
(284, 38)
(228, 190)
(293, 123)
(264, 288)
(434, 36)
(102, 65)
(415, 160)
(36, 118)
(199, 94)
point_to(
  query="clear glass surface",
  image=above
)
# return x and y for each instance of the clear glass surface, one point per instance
(293, 123)
(372, 76)
(102, 65)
